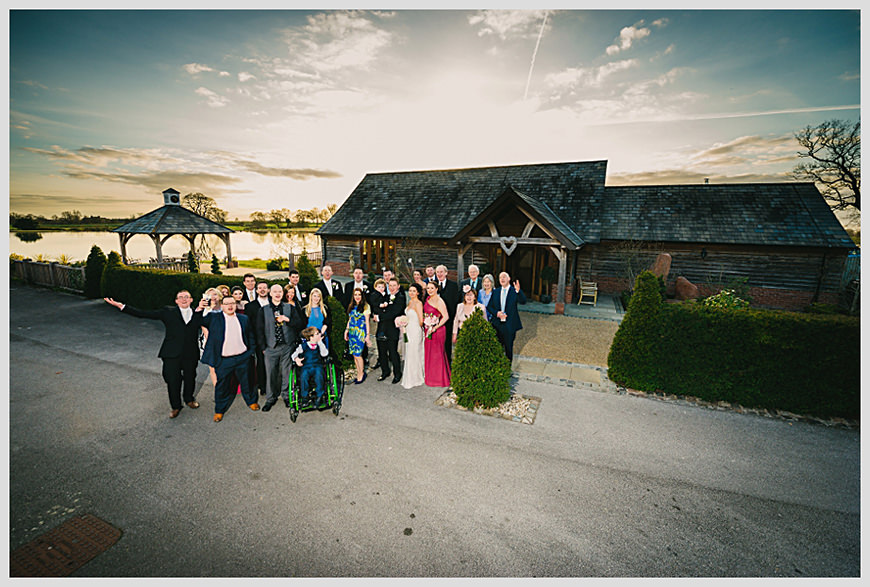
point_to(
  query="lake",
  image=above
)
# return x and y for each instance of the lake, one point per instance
(244, 245)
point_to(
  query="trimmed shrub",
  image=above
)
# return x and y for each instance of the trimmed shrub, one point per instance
(337, 344)
(275, 265)
(94, 272)
(112, 261)
(215, 265)
(801, 363)
(633, 356)
(307, 273)
(150, 289)
(192, 262)
(480, 371)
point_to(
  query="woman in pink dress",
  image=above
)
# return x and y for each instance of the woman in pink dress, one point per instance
(436, 370)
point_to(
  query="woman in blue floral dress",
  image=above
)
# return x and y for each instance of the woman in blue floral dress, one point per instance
(357, 332)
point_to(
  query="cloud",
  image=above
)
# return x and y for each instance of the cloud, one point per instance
(750, 149)
(32, 84)
(678, 176)
(299, 174)
(103, 156)
(245, 76)
(505, 24)
(577, 77)
(195, 68)
(338, 41)
(849, 76)
(627, 36)
(213, 99)
(159, 180)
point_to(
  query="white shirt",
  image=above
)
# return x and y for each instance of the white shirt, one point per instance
(504, 293)
(328, 283)
(186, 313)
(251, 294)
(263, 301)
(233, 342)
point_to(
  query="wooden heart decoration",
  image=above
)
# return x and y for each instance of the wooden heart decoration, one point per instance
(509, 244)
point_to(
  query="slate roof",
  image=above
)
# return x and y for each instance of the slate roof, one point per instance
(439, 204)
(573, 198)
(172, 219)
(789, 214)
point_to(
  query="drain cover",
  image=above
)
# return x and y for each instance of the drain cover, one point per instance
(61, 551)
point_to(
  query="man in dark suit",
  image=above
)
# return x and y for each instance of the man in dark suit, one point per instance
(329, 286)
(250, 287)
(449, 292)
(180, 348)
(276, 330)
(503, 312)
(228, 348)
(357, 283)
(473, 280)
(256, 363)
(388, 348)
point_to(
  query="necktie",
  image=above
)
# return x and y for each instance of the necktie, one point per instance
(504, 293)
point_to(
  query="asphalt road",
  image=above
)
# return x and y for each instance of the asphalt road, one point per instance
(601, 485)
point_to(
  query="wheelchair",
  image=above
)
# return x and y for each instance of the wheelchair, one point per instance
(334, 380)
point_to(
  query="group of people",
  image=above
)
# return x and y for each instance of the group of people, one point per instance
(251, 336)
(428, 316)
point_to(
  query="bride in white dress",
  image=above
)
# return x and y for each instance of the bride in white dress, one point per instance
(412, 373)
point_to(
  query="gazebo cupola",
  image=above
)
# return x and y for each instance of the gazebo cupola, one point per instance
(171, 219)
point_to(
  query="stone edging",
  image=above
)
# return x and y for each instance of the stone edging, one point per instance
(519, 408)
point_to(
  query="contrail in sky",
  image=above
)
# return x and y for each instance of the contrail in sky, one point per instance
(535, 54)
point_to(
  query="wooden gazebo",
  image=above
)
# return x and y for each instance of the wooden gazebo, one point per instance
(169, 220)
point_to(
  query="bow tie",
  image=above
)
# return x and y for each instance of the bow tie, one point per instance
(312, 346)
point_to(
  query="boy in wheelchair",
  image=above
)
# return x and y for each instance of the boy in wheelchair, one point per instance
(311, 355)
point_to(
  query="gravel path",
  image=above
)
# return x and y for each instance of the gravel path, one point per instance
(577, 340)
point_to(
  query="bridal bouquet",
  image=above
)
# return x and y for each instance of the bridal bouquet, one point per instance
(430, 322)
(401, 323)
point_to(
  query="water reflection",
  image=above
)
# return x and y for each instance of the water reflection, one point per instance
(28, 237)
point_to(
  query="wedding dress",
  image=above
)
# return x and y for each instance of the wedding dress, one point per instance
(412, 372)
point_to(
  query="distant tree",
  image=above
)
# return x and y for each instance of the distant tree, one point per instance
(833, 153)
(331, 209)
(276, 216)
(71, 217)
(28, 222)
(307, 273)
(258, 219)
(204, 206)
(287, 213)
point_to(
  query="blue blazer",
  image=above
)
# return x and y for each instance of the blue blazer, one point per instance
(513, 321)
(217, 325)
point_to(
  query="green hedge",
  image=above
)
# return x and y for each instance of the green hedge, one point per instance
(150, 289)
(802, 363)
(480, 372)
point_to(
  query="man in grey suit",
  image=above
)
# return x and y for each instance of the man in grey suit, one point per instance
(276, 330)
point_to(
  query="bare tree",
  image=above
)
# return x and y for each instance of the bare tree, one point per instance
(833, 153)
(258, 219)
(204, 206)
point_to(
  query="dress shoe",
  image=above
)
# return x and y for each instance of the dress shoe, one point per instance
(218, 417)
(286, 403)
(396, 379)
(382, 377)
(193, 404)
(174, 413)
(254, 407)
(267, 406)
(262, 392)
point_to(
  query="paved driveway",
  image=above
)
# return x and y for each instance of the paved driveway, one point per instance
(602, 485)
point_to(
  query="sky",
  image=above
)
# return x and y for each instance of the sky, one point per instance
(265, 109)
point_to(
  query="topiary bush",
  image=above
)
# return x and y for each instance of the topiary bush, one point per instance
(275, 264)
(215, 265)
(307, 273)
(112, 261)
(192, 262)
(337, 344)
(633, 356)
(94, 266)
(480, 371)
